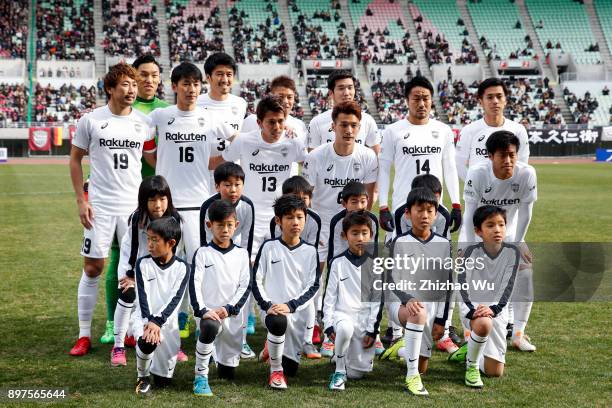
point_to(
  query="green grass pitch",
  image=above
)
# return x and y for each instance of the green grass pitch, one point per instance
(39, 256)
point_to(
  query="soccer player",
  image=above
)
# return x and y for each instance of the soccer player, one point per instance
(285, 279)
(423, 321)
(114, 137)
(312, 230)
(341, 87)
(351, 322)
(161, 280)
(471, 148)
(508, 183)
(154, 202)
(484, 311)
(219, 286)
(417, 145)
(266, 155)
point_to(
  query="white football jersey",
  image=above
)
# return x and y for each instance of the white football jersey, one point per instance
(329, 173)
(320, 130)
(285, 275)
(471, 146)
(232, 110)
(344, 294)
(186, 141)
(337, 245)
(415, 150)
(266, 167)
(220, 278)
(114, 145)
(483, 188)
(440, 226)
(245, 213)
(160, 288)
(311, 232)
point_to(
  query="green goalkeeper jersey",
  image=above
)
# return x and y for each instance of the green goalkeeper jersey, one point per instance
(148, 106)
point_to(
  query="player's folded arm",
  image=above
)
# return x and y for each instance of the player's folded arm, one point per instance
(179, 288)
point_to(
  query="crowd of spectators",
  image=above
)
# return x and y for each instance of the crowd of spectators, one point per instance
(438, 51)
(459, 101)
(311, 39)
(492, 53)
(377, 48)
(390, 101)
(317, 95)
(252, 91)
(196, 32)
(265, 42)
(582, 109)
(64, 31)
(64, 104)
(14, 33)
(13, 103)
(130, 29)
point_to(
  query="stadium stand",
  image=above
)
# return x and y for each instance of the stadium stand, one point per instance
(564, 24)
(64, 104)
(13, 103)
(603, 10)
(442, 32)
(319, 30)
(65, 30)
(459, 102)
(500, 30)
(390, 101)
(194, 29)
(130, 29)
(380, 34)
(258, 34)
(14, 33)
(593, 109)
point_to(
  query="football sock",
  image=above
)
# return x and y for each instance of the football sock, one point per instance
(412, 343)
(344, 332)
(522, 310)
(276, 345)
(86, 302)
(143, 362)
(310, 323)
(475, 349)
(203, 353)
(122, 321)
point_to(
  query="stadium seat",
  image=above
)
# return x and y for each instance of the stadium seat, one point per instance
(129, 29)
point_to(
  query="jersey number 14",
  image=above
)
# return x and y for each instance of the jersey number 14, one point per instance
(422, 169)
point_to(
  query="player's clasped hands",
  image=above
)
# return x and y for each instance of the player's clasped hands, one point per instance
(368, 341)
(216, 314)
(279, 309)
(414, 307)
(483, 311)
(126, 283)
(152, 333)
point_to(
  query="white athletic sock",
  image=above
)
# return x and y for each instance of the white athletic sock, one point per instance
(276, 344)
(86, 303)
(123, 312)
(203, 353)
(143, 362)
(397, 330)
(522, 310)
(310, 323)
(475, 349)
(412, 343)
(344, 332)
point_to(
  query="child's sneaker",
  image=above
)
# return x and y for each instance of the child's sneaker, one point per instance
(247, 352)
(459, 355)
(201, 387)
(522, 342)
(414, 385)
(337, 381)
(82, 347)
(109, 333)
(118, 357)
(129, 341)
(310, 351)
(316, 334)
(251, 324)
(327, 348)
(181, 357)
(392, 352)
(183, 319)
(277, 380)
(378, 346)
(447, 345)
(472, 377)
(143, 387)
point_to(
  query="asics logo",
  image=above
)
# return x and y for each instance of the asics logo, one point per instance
(488, 189)
(331, 166)
(481, 138)
(104, 125)
(171, 121)
(255, 153)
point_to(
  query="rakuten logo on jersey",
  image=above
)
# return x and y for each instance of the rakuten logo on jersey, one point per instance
(482, 152)
(421, 150)
(268, 168)
(119, 144)
(500, 203)
(185, 137)
(338, 182)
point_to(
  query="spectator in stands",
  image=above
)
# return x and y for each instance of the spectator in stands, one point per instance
(13, 103)
(605, 91)
(14, 33)
(130, 30)
(64, 104)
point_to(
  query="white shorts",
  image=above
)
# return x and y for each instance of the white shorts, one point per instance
(98, 240)
(261, 232)
(164, 356)
(191, 232)
(323, 244)
(357, 358)
(427, 339)
(294, 336)
(228, 343)
(496, 345)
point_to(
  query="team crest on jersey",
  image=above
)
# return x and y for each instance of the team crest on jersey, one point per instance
(284, 151)
(171, 121)
(481, 138)
(356, 167)
(514, 187)
(104, 125)
(234, 110)
(469, 183)
(435, 134)
(201, 122)
(138, 127)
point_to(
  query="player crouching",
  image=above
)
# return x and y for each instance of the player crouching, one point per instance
(218, 288)
(351, 323)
